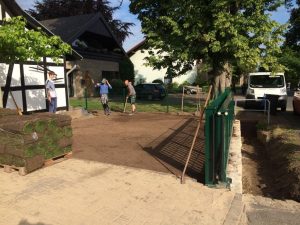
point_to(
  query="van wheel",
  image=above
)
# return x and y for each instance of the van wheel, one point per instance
(149, 97)
(283, 108)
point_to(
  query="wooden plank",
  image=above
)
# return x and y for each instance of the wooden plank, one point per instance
(57, 159)
(11, 168)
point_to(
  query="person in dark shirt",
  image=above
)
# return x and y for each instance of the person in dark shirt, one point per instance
(131, 95)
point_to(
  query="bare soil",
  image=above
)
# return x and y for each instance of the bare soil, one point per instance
(257, 170)
(153, 141)
(267, 169)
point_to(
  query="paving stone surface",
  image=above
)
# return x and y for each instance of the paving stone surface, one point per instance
(81, 192)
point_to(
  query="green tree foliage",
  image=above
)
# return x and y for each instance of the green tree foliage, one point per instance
(49, 9)
(291, 49)
(293, 33)
(222, 33)
(291, 60)
(20, 44)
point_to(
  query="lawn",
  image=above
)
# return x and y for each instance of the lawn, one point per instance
(117, 104)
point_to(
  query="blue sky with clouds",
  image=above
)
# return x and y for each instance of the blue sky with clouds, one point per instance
(123, 14)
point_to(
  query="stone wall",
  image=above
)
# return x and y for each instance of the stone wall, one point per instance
(94, 68)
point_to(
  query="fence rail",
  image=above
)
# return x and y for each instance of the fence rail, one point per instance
(219, 117)
(266, 105)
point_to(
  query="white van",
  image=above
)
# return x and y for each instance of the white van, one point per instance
(262, 83)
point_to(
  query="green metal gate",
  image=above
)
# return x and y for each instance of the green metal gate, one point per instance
(219, 117)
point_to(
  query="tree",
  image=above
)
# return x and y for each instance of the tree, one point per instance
(291, 60)
(126, 69)
(293, 34)
(49, 9)
(220, 33)
(291, 48)
(17, 44)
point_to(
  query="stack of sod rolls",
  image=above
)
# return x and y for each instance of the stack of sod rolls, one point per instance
(26, 141)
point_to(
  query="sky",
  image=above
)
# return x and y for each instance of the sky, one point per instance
(281, 16)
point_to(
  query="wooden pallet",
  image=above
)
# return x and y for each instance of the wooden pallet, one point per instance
(11, 168)
(58, 159)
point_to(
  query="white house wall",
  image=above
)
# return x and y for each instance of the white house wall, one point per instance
(16, 77)
(61, 97)
(149, 74)
(33, 75)
(34, 86)
(60, 72)
(36, 99)
(18, 98)
(3, 72)
(28, 81)
(50, 60)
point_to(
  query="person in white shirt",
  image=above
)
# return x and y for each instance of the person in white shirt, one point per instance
(51, 93)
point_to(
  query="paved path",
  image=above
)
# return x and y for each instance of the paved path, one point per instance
(78, 192)
(267, 211)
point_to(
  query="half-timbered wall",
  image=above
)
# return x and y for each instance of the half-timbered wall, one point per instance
(28, 79)
(28, 85)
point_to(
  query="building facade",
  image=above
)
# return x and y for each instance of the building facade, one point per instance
(23, 83)
(91, 37)
(146, 74)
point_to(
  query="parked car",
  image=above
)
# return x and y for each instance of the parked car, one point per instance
(150, 91)
(190, 90)
(296, 100)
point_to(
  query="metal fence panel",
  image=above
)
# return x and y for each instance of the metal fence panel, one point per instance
(219, 117)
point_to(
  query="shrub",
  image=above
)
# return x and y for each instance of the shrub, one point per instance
(158, 81)
(173, 87)
(126, 70)
(262, 126)
(117, 86)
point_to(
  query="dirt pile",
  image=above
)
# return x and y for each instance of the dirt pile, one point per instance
(26, 141)
(283, 151)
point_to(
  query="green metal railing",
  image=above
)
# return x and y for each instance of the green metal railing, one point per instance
(219, 117)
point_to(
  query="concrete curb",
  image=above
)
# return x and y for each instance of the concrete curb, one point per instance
(236, 211)
(234, 169)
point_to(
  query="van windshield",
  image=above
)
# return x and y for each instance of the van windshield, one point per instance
(266, 81)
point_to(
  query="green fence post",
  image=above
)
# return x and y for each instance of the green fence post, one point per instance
(167, 101)
(219, 116)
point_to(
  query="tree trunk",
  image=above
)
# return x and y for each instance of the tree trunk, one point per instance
(222, 78)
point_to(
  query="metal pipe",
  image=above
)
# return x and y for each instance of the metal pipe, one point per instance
(212, 153)
(257, 110)
(222, 149)
(67, 79)
(195, 135)
(182, 99)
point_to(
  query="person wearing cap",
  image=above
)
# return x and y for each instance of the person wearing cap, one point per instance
(51, 92)
(104, 86)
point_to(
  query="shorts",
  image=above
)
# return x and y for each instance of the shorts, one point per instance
(132, 99)
(104, 99)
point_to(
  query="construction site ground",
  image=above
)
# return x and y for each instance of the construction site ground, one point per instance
(125, 170)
